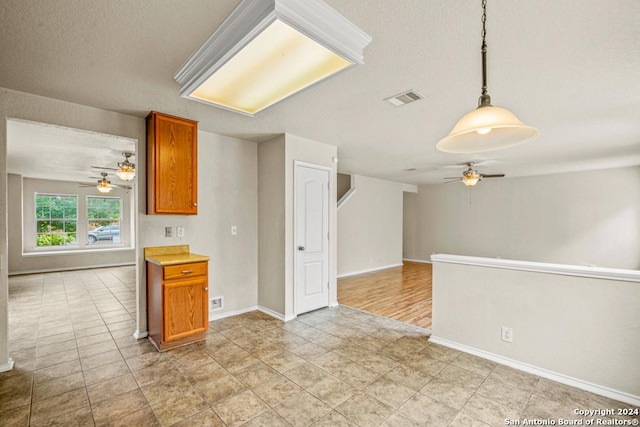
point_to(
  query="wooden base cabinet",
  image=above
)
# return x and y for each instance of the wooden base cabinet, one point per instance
(177, 304)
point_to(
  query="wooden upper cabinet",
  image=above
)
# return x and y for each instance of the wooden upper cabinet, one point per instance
(172, 168)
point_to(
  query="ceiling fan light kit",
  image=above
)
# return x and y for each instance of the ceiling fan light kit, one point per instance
(471, 177)
(487, 128)
(104, 185)
(267, 50)
(126, 170)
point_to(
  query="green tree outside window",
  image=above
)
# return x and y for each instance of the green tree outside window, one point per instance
(56, 219)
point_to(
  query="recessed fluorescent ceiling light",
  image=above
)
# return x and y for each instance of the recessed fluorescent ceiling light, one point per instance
(267, 50)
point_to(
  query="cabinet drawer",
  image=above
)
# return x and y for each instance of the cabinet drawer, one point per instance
(184, 270)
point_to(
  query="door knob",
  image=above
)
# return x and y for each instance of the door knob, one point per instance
(301, 248)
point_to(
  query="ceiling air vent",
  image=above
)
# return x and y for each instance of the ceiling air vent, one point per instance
(404, 98)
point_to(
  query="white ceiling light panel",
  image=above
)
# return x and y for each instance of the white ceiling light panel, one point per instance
(267, 50)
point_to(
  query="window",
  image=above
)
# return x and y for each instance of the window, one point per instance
(56, 219)
(103, 219)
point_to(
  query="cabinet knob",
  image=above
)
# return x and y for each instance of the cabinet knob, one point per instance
(206, 289)
(195, 204)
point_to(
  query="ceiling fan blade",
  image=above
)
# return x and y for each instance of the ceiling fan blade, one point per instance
(453, 177)
(453, 180)
(499, 175)
(105, 168)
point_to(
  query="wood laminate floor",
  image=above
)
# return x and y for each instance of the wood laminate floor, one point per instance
(400, 293)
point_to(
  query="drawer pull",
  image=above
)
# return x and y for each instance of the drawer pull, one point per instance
(186, 271)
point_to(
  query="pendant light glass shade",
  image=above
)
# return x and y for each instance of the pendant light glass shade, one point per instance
(486, 129)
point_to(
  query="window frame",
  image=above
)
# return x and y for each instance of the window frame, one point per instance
(64, 247)
(88, 220)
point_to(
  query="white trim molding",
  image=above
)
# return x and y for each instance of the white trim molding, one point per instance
(542, 267)
(346, 196)
(7, 366)
(57, 269)
(217, 316)
(421, 261)
(312, 18)
(275, 314)
(541, 372)
(271, 313)
(370, 270)
(140, 334)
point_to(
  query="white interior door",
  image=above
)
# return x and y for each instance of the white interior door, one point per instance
(311, 238)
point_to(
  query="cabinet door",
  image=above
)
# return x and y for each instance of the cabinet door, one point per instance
(185, 308)
(173, 147)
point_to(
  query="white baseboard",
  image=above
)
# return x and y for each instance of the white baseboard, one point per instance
(421, 261)
(354, 273)
(7, 366)
(276, 315)
(271, 313)
(214, 315)
(541, 372)
(58, 269)
(140, 334)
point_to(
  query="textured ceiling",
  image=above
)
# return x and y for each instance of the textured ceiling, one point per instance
(38, 150)
(568, 67)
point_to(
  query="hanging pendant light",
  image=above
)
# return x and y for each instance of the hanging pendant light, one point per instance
(486, 128)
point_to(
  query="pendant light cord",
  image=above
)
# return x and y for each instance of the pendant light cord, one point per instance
(485, 99)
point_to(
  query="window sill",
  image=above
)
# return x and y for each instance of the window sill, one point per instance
(77, 251)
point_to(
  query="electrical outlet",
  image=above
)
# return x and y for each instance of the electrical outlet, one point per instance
(168, 232)
(234, 230)
(507, 334)
(215, 303)
(180, 231)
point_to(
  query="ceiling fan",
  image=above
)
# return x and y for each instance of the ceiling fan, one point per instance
(126, 170)
(104, 185)
(471, 177)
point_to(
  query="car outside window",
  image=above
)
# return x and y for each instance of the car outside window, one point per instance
(103, 220)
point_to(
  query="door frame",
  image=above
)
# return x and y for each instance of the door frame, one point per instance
(327, 169)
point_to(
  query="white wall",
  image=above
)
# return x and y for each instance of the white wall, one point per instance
(370, 227)
(31, 107)
(227, 196)
(271, 229)
(276, 245)
(581, 218)
(21, 216)
(585, 329)
(307, 150)
(227, 189)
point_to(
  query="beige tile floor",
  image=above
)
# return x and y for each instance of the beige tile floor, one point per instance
(77, 364)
